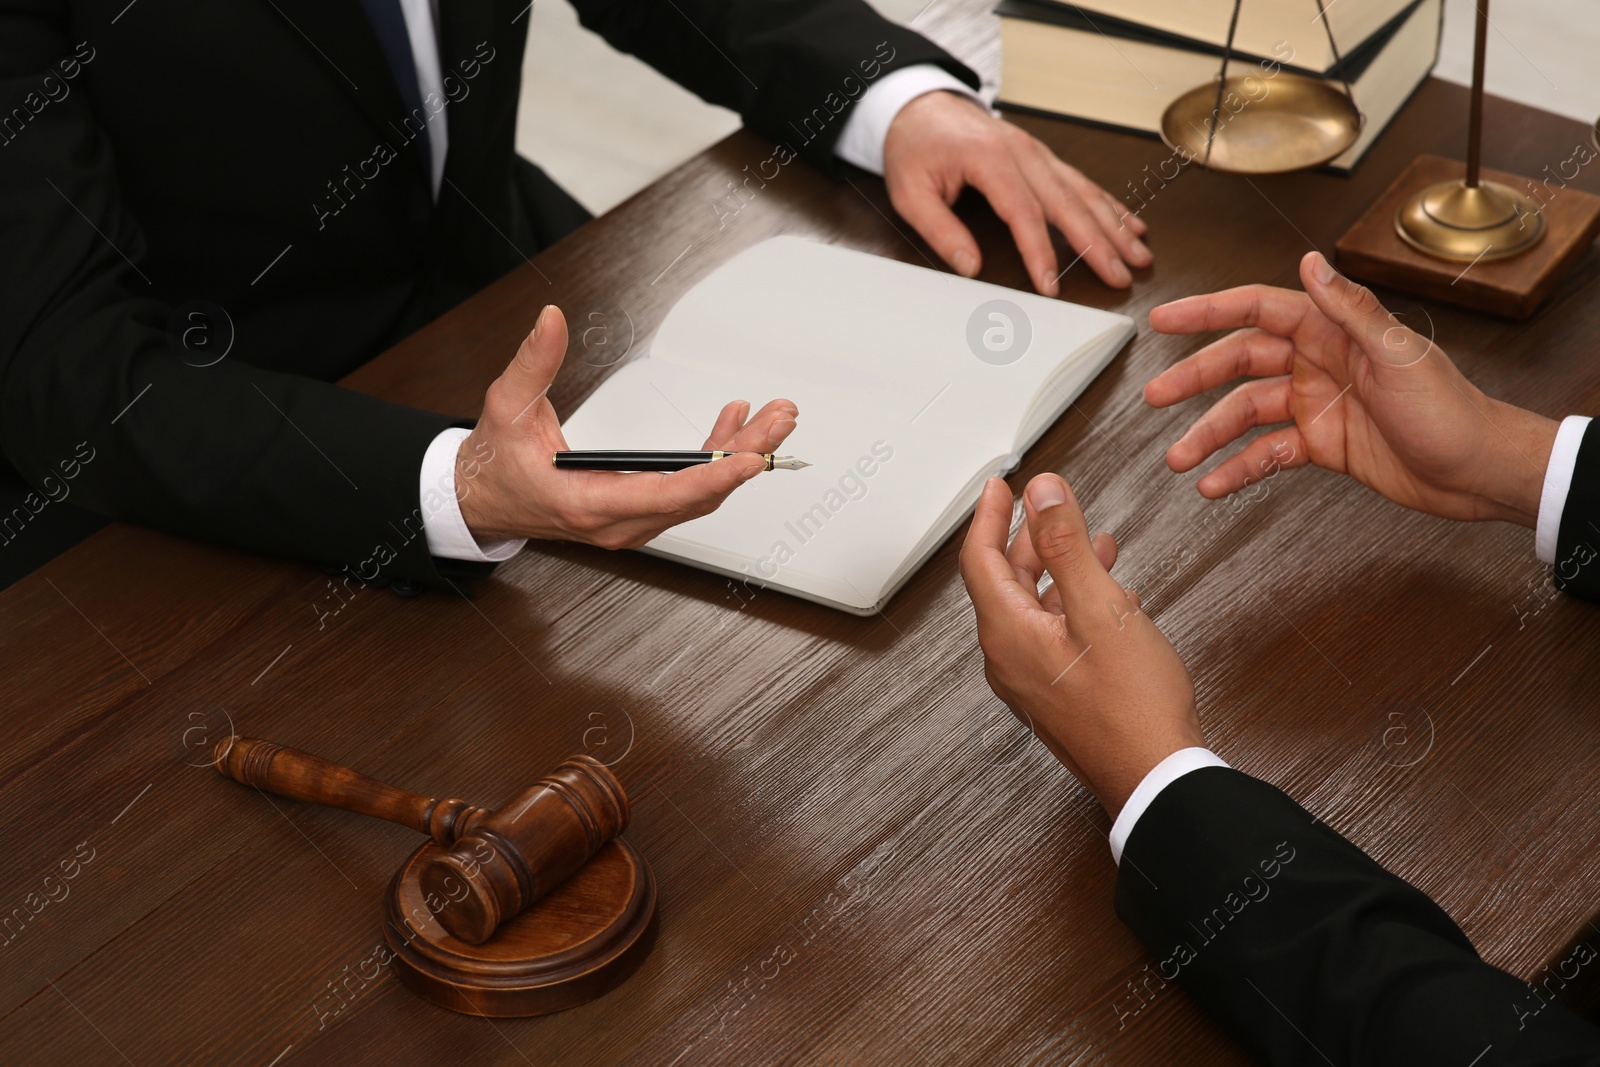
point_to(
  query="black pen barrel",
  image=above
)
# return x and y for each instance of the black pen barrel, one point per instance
(620, 460)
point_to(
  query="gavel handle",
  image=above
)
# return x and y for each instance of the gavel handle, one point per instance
(298, 775)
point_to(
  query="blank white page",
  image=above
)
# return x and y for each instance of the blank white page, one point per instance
(838, 531)
(889, 339)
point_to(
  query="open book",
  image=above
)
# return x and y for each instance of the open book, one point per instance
(914, 386)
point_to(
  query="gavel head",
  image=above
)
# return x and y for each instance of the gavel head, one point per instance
(511, 858)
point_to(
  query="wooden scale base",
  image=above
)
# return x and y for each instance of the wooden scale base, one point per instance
(1374, 252)
(578, 943)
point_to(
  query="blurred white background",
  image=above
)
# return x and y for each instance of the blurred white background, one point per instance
(605, 125)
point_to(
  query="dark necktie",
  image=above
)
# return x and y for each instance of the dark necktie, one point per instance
(390, 25)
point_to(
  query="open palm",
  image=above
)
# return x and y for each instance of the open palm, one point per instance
(1362, 394)
(508, 488)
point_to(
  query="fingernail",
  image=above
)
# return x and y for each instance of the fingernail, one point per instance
(744, 412)
(965, 262)
(1142, 250)
(1321, 269)
(1048, 285)
(1120, 275)
(538, 323)
(1045, 493)
(753, 470)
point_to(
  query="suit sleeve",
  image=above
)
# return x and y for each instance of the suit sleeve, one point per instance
(790, 68)
(96, 402)
(1311, 953)
(1577, 564)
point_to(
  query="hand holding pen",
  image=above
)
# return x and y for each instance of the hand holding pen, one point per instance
(645, 460)
(508, 487)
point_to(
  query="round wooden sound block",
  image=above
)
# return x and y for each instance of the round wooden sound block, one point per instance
(577, 943)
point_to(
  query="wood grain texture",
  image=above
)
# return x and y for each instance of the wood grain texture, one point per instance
(860, 856)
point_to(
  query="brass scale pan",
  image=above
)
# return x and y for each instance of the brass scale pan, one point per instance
(1297, 124)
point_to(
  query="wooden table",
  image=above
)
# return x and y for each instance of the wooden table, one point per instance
(861, 858)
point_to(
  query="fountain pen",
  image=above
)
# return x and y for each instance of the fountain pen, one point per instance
(657, 461)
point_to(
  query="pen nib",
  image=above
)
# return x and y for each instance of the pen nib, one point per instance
(787, 463)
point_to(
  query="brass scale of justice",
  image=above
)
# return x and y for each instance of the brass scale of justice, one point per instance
(528, 909)
(1304, 123)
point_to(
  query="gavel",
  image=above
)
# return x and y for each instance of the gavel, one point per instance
(493, 864)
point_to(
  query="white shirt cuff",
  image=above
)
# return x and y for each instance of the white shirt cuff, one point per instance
(1161, 775)
(1557, 481)
(861, 140)
(447, 533)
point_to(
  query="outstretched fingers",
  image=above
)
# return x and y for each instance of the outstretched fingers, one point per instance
(1264, 402)
(1246, 353)
(1279, 311)
(1257, 461)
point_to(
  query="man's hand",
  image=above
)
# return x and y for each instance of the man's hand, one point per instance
(508, 487)
(1085, 668)
(1366, 396)
(940, 143)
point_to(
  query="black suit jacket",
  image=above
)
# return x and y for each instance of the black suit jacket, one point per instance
(254, 156)
(1310, 952)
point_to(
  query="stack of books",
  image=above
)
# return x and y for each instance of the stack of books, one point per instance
(1119, 63)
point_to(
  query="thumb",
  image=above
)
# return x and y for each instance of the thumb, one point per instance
(529, 374)
(1061, 541)
(1354, 309)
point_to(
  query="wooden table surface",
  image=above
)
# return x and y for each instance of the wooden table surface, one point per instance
(861, 857)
